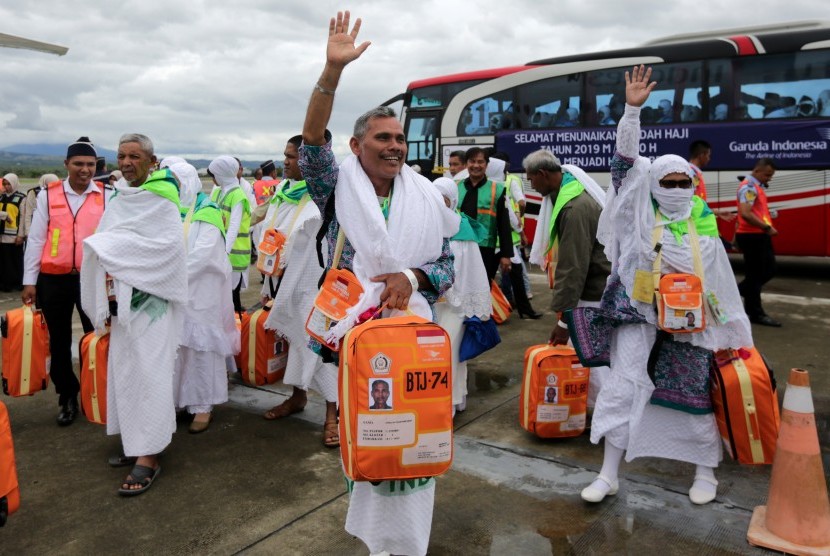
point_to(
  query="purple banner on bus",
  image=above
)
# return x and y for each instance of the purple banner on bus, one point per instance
(735, 145)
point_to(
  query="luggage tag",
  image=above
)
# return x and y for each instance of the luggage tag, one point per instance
(270, 251)
(715, 310)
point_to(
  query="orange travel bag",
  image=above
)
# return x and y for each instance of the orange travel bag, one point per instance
(340, 291)
(395, 386)
(554, 396)
(501, 307)
(9, 492)
(680, 304)
(263, 356)
(26, 356)
(745, 404)
(93, 352)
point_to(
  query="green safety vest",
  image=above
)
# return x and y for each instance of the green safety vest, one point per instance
(240, 255)
(486, 211)
(205, 211)
(162, 183)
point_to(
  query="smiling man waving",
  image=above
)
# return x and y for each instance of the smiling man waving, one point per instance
(396, 228)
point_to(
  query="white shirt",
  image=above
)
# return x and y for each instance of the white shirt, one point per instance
(40, 225)
(515, 183)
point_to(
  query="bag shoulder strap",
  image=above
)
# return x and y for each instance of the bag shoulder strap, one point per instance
(694, 242)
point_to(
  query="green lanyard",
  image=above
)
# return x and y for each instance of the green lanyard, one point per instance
(384, 204)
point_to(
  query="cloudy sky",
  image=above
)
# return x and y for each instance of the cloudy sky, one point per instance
(206, 77)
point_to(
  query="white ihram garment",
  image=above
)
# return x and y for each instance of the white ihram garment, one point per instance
(413, 236)
(295, 296)
(382, 516)
(146, 254)
(624, 414)
(209, 332)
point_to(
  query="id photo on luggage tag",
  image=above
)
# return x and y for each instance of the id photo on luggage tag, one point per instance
(380, 394)
(550, 394)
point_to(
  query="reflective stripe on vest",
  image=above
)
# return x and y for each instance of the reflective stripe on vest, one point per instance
(63, 249)
(263, 189)
(11, 206)
(240, 255)
(759, 209)
(488, 194)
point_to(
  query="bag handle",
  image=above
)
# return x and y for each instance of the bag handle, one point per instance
(187, 221)
(694, 243)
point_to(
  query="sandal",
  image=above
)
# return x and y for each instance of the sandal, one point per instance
(140, 475)
(285, 409)
(331, 434)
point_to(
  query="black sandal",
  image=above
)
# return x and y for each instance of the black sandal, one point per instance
(140, 475)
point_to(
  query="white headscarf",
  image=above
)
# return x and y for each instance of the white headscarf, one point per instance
(495, 169)
(189, 182)
(675, 203)
(46, 179)
(169, 161)
(224, 169)
(448, 189)
(13, 180)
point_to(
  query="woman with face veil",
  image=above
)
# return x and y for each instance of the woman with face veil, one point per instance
(658, 408)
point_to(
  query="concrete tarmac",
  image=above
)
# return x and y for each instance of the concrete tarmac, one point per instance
(251, 486)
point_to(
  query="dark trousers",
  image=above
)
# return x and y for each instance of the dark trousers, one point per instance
(57, 296)
(759, 268)
(237, 300)
(11, 266)
(491, 264)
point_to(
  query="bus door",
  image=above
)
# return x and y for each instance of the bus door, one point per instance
(422, 128)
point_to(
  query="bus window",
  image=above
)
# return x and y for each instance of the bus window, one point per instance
(426, 97)
(795, 85)
(676, 97)
(421, 134)
(489, 115)
(553, 102)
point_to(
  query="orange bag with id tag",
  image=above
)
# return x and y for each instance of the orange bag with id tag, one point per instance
(680, 304)
(94, 355)
(26, 357)
(269, 251)
(554, 396)
(340, 291)
(395, 389)
(679, 296)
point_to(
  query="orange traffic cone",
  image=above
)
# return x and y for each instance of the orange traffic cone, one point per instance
(796, 518)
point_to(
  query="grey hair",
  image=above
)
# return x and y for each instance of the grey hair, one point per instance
(142, 140)
(541, 160)
(361, 125)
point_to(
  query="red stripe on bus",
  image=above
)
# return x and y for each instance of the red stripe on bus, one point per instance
(745, 45)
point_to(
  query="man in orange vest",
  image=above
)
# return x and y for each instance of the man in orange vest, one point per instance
(66, 213)
(264, 188)
(754, 238)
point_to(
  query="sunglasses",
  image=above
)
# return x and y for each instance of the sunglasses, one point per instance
(684, 183)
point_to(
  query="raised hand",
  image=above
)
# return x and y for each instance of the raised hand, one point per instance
(341, 48)
(637, 87)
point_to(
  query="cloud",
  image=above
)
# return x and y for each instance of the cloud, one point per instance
(207, 77)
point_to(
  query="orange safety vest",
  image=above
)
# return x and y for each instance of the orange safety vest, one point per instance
(263, 189)
(63, 249)
(759, 209)
(699, 182)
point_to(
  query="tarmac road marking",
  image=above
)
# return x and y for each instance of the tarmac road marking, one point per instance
(801, 300)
